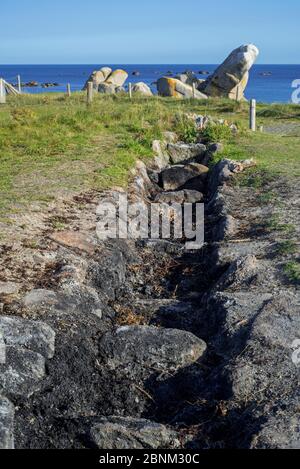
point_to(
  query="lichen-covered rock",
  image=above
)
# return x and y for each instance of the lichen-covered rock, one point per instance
(142, 186)
(177, 176)
(170, 137)
(109, 274)
(142, 88)
(231, 78)
(129, 433)
(9, 288)
(161, 157)
(2, 348)
(268, 362)
(107, 71)
(40, 298)
(139, 350)
(239, 273)
(170, 87)
(22, 372)
(117, 78)
(73, 296)
(7, 413)
(180, 152)
(281, 431)
(35, 336)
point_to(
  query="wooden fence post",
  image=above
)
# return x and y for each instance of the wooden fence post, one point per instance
(19, 84)
(194, 91)
(253, 115)
(2, 92)
(69, 89)
(237, 97)
(90, 89)
(130, 90)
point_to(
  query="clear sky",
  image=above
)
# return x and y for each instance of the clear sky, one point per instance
(139, 31)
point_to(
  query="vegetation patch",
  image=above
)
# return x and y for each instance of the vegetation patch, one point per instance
(53, 146)
(286, 248)
(217, 133)
(292, 271)
(275, 224)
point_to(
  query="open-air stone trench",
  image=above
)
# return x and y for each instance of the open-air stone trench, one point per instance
(143, 344)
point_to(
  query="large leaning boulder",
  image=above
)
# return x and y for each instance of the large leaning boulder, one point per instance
(171, 87)
(117, 78)
(231, 77)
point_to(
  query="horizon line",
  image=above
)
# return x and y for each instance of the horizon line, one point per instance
(132, 63)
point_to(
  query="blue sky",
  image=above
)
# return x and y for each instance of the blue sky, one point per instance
(139, 31)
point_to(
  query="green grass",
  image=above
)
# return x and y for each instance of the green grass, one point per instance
(287, 247)
(267, 197)
(292, 271)
(217, 133)
(52, 146)
(275, 224)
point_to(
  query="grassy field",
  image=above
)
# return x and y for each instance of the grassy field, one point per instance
(52, 146)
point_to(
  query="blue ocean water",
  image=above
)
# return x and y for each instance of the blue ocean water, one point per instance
(268, 83)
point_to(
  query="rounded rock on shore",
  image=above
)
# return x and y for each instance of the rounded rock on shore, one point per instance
(142, 88)
(117, 78)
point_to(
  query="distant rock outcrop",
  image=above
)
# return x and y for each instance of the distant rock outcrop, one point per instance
(142, 88)
(107, 81)
(231, 78)
(98, 76)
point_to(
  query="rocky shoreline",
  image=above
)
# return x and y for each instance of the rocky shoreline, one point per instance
(229, 80)
(129, 344)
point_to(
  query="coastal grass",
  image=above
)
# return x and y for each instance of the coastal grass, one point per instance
(52, 145)
(292, 271)
(287, 247)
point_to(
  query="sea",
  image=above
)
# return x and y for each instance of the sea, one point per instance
(268, 83)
